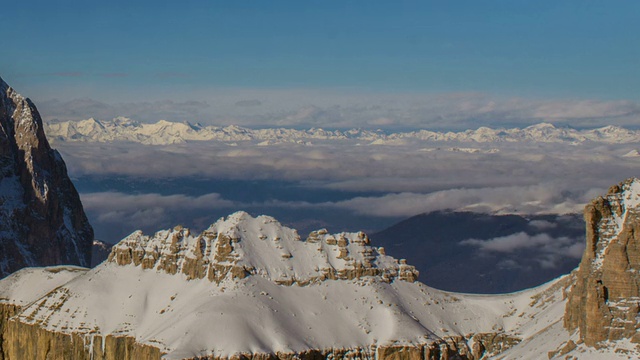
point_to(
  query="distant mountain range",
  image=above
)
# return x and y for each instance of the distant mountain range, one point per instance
(165, 132)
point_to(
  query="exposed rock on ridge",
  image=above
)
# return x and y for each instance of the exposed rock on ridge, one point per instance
(41, 218)
(279, 254)
(604, 304)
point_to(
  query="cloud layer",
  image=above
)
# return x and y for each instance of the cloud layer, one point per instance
(116, 214)
(546, 198)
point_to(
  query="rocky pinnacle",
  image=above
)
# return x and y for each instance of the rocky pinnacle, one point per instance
(604, 304)
(41, 218)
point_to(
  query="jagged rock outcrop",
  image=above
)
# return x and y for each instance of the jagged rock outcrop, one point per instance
(42, 221)
(240, 246)
(604, 304)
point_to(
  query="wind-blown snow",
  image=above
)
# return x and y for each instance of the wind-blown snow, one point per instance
(30, 284)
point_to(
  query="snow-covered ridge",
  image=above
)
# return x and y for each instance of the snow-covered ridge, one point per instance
(624, 199)
(164, 132)
(241, 246)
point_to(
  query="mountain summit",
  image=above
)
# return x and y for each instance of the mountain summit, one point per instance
(241, 245)
(41, 218)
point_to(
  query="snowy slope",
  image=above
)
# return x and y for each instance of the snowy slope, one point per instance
(30, 284)
(148, 290)
(164, 132)
(160, 302)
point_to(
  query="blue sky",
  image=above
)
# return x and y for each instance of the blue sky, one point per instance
(119, 50)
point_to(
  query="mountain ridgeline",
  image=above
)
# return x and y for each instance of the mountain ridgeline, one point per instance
(164, 132)
(41, 218)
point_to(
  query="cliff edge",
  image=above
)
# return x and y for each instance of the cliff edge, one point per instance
(42, 221)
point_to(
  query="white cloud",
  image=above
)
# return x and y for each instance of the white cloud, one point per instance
(546, 198)
(343, 109)
(551, 249)
(542, 225)
(115, 214)
(84, 108)
(585, 109)
(117, 201)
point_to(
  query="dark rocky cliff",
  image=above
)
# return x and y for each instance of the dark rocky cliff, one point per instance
(42, 221)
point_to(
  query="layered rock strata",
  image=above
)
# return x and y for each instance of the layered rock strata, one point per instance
(42, 221)
(18, 339)
(604, 304)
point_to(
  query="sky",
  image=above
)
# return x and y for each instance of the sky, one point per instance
(147, 51)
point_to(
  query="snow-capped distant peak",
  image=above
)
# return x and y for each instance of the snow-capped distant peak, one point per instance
(166, 132)
(542, 126)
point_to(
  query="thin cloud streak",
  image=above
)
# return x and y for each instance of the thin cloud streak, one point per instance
(307, 108)
(546, 198)
(72, 74)
(115, 75)
(553, 249)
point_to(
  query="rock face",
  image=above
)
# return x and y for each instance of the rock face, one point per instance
(20, 338)
(604, 304)
(41, 218)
